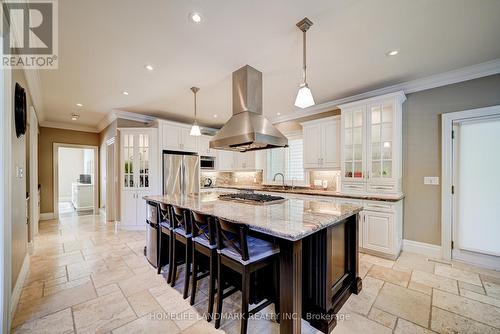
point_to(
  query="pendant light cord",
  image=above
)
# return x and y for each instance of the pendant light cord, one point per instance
(195, 90)
(304, 58)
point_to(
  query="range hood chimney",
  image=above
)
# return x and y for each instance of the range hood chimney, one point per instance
(247, 129)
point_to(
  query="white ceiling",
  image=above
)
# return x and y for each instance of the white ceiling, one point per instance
(104, 45)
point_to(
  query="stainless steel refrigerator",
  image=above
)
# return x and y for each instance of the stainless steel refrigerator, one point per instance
(181, 173)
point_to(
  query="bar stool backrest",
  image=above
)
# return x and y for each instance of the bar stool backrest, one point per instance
(203, 225)
(233, 236)
(164, 210)
(179, 219)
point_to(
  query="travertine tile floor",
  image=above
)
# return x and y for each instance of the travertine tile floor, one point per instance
(88, 277)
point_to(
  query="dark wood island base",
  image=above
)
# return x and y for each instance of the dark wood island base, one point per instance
(318, 274)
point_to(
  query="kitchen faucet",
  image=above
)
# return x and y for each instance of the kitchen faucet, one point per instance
(282, 179)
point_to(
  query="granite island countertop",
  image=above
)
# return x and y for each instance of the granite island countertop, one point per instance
(313, 192)
(293, 219)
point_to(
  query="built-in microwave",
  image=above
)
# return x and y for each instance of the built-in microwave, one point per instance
(207, 162)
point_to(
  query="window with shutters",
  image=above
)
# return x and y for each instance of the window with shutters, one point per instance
(288, 161)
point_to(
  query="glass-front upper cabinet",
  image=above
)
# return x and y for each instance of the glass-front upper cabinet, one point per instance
(136, 161)
(381, 140)
(354, 143)
(128, 161)
(144, 162)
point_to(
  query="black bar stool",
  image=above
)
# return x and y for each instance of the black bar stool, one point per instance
(204, 244)
(165, 237)
(244, 254)
(181, 233)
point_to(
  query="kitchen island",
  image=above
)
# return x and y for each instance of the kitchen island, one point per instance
(318, 251)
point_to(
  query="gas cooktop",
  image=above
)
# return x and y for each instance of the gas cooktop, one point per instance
(251, 198)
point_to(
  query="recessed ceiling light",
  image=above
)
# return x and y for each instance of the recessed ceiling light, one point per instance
(195, 17)
(215, 115)
(125, 93)
(278, 113)
(75, 117)
(392, 53)
(79, 105)
(149, 67)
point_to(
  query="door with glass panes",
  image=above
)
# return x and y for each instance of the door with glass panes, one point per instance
(354, 144)
(380, 141)
(136, 161)
(136, 174)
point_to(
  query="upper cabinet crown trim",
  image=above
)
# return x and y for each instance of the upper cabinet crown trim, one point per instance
(400, 96)
(321, 120)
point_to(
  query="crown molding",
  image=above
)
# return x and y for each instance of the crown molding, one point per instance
(116, 113)
(106, 121)
(65, 126)
(437, 80)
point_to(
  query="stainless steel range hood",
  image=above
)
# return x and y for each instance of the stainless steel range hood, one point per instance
(248, 130)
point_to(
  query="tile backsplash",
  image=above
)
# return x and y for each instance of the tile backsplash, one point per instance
(250, 178)
(319, 178)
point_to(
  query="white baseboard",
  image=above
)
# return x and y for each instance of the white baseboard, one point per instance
(47, 216)
(422, 248)
(18, 287)
(31, 247)
(480, 260)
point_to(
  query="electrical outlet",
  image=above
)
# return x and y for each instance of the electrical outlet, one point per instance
(431, 180)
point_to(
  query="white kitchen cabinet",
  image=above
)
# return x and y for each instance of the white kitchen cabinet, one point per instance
(322, 143)
(138, 174)
(175, 137)
(378, 231)
(244, 161)
(382, 228)
(204, 147)
(188, 142)
(371, 145)
(225, 160)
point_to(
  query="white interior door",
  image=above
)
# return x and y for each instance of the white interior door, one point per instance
(476, 174)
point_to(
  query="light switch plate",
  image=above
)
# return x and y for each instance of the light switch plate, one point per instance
(431, 180)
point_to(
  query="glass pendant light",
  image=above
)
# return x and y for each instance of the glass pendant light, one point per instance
(304, 95)
(195, 129)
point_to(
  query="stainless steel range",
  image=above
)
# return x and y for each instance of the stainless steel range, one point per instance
(251, 198)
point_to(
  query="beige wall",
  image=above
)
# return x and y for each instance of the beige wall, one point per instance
(19, 186)
(49, 136)
(422, 149)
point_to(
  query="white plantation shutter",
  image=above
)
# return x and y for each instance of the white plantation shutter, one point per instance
(295, 169)
(275, 161)
(287, 161)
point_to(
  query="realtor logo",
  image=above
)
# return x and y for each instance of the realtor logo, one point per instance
(29, 34)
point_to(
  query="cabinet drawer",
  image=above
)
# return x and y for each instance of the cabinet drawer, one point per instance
(353, 187)
(350, 201)
(378, 206)
(389, 188)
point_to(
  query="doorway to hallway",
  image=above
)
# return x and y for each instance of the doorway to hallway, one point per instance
(75, 180)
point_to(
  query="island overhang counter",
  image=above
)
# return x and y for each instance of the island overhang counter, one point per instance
(318, 250)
